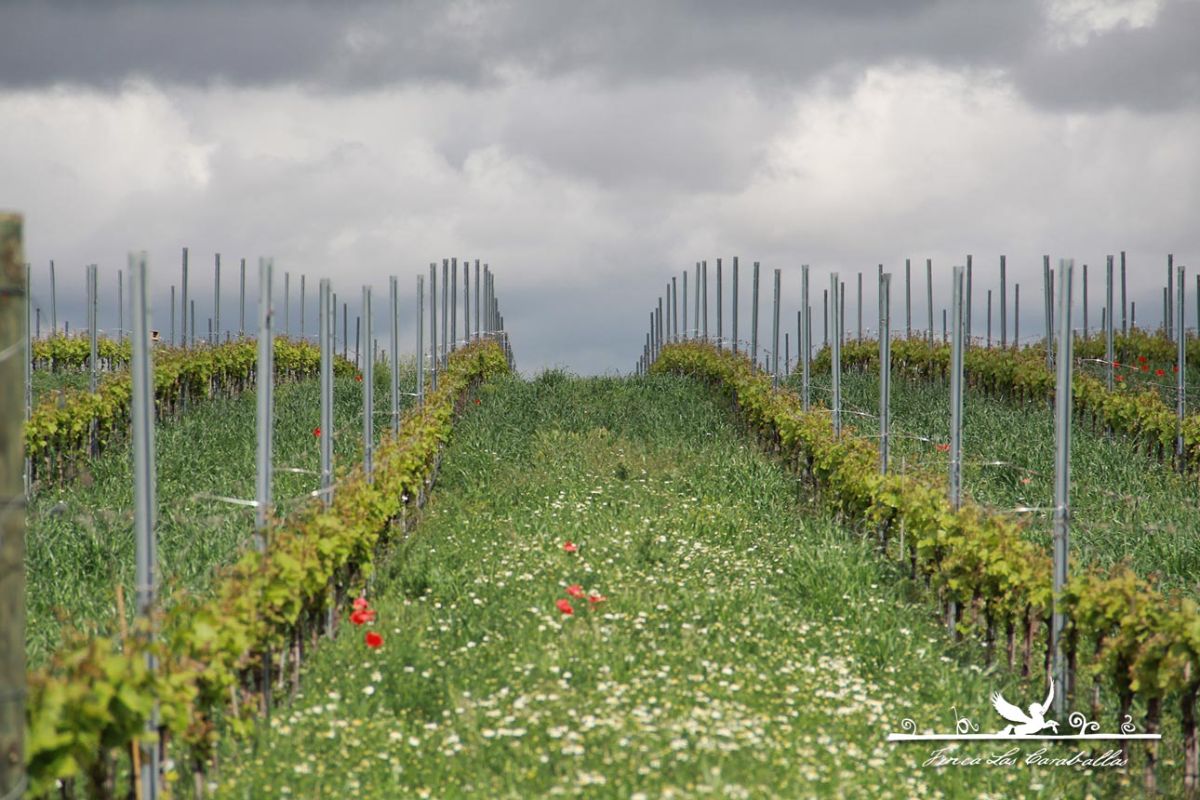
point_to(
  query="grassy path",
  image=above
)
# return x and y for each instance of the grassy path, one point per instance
(1123, 504)
(743, 650)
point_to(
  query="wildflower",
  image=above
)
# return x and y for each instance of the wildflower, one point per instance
(575, 590)
(565, 607)
(1145, 368)
(943, 448)
(1120, 378)
(362, 616)
(1116, 363)
(373, 640)
(317, 431)
(477, 401)
(358, 377)
(570, 546)
(596, 598)
(360, 604)
(1159, 372)
(1175, 368)
(1026, 481)
(1141, 359)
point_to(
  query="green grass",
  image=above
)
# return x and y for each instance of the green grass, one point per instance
(45, 382)
(747, 647)
(1124, 505)
(80, 537)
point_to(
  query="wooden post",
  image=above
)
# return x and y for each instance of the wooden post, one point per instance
(12, 510)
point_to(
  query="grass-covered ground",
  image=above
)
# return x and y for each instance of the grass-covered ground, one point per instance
(1123, 504)
(45, 382)
(744, 648)
(80, 536)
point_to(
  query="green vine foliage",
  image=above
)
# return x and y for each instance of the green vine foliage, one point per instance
(1122, 630)
(60, 429)
(95, 696)
(62, 352)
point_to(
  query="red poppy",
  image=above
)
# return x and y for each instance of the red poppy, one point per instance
(1145, 368)
(1175, 368)
(358, 378)
(596, 598)
(362, 616)
(1141, 359)
(1159, 372)
(1116, 363)
(570, 546)
(476, 401)
(1120, 378)
(317, 431)
(373, 640)
(575, 590)
(565, 607)
(360, 603)
(943, 448)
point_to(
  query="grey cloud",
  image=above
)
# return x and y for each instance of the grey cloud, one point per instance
(1154, 68)
(341, 46)
(781, 45)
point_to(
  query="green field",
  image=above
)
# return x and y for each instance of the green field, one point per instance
(1124, 505)
(80, 544)
(747, 646)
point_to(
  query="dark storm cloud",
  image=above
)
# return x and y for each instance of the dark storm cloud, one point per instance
(350, 45)
(347, 46)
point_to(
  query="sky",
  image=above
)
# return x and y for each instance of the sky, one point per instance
(588, 152)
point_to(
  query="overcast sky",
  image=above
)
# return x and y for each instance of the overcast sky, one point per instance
(588, 151)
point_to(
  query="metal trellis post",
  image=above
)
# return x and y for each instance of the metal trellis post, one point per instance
(1062, 480)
